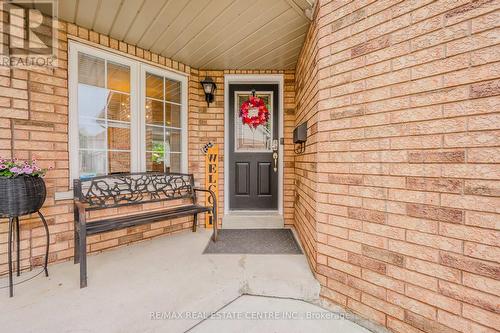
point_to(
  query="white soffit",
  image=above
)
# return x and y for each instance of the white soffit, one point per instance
(207, 34)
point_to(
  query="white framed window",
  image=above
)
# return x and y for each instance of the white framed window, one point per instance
(124, 115)
(163, 120)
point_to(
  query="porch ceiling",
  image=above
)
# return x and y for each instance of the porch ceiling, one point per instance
(208, 34)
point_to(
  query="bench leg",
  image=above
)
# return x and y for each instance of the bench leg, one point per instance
(195, 222)
(76, 239)
(214, 236)
(83, 257)
(76, 255)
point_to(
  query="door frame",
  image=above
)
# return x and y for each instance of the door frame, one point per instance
(256, 79)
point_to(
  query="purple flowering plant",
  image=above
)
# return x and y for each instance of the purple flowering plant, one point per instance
(15, 168)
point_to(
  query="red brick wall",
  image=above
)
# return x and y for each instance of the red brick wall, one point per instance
(306, 207)
(401, 168)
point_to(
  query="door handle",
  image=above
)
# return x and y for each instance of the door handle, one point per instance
(275, 157)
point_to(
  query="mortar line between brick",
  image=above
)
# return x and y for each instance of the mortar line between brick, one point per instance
(11, 136)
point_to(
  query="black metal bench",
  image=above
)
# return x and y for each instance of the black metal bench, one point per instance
(121, 190)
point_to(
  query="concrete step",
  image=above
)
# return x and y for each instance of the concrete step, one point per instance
(253, 221)
(286, 276)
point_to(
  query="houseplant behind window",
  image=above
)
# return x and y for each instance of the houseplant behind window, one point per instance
(22, 189)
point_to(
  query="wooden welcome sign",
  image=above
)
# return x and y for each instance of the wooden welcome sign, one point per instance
(211, 180)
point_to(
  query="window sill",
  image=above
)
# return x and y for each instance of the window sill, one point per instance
(68, 195)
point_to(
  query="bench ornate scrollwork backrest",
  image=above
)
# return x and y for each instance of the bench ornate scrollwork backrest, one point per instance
(133, 188)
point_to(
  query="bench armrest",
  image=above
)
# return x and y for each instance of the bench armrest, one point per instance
(79, 204)
(80, 218)
(214, 209)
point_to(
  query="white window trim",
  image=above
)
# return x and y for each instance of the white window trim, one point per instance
(137, 107)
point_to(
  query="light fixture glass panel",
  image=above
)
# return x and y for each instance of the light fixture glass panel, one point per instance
(207, 87)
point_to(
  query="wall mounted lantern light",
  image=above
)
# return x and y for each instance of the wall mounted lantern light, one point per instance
(209, 88)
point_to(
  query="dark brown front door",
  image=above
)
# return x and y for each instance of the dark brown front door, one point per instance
(253, 153)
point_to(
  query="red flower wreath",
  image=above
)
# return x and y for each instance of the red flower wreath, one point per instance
(254, 121)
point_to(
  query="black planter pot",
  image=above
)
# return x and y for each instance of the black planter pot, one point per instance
(21, 195)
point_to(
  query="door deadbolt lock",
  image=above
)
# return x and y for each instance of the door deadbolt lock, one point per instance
(274, 145)
(275, 157)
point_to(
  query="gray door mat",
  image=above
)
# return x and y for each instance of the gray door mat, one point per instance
(254, 241)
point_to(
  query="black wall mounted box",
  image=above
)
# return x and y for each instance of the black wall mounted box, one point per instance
(300, 133)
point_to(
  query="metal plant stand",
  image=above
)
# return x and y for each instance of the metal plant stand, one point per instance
(14, 222)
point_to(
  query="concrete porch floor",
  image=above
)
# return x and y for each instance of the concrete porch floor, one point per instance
(169, 274)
